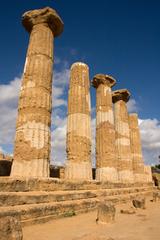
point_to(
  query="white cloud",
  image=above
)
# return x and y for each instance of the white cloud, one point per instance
(60, 83)
(59, 141)
(8, 110)
(61, 78)
(9, 92)
(132, 106)
(150, 137)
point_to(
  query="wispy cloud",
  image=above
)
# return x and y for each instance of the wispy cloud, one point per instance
(8, 110)
(132, 106)
(150, 136)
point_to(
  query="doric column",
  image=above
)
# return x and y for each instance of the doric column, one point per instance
(147, 174)
(136, 149)
(106, 162)
(78, 146)
(32, 141)
(123, 148)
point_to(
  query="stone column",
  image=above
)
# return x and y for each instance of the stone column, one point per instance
(106, 161)
(78, 146)
(125, 167)
(136, 149)
(147, 174)
(32, 140)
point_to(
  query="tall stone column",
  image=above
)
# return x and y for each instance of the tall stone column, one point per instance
(136, 149)
(78, 146)
(106, 162)
(125, 167)
(32, 140)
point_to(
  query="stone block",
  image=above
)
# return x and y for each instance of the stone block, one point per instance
(106, 213)
(128, 211)
(139, 202)
(10, 228)
(156, 196)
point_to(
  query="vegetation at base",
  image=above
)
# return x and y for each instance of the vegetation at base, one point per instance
(69, 213)
(157, 166)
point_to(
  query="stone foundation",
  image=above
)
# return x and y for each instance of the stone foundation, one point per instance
(126, 176)
(34, 167)
(35, 200)
(78, 171)
(107, 174)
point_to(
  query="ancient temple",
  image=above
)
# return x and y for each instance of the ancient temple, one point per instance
(30, 193)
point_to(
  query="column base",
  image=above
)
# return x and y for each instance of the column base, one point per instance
(139, 178)
(107, 174)
(33, 168)
(147, 179)
(126, 176)
(78, 171)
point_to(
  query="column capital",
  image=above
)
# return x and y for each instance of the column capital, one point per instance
(45, 15)
(122, 94)
(103, 79)
(134, 115)
(79, 64)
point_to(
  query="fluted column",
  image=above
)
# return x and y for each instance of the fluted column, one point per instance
(123, 148)
(136, 149)
(32, 140)
(106, 162)
(147, 174)
(78, 145)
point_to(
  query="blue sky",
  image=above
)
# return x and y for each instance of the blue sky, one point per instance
(114, 37)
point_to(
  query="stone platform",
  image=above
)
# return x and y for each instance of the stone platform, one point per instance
(39, 200)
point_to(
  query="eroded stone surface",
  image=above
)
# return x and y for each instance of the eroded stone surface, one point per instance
(139, 202)
(136, 149)
(123, 148)
(78, 145)
(128, 211)
(32, 141)
(10, 228)
(47, 16)
(156, 196)
(147, 173)
(106, 213)
(106, 161)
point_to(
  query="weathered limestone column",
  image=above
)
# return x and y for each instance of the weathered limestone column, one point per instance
(106, 162)
(125, 167)
(147, 174)
(32, 141)
(78, 146)
(136, 149)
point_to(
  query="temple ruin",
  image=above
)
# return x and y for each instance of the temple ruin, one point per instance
(30, 193)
